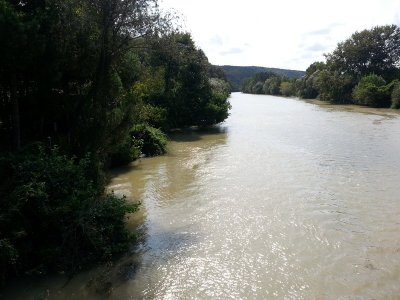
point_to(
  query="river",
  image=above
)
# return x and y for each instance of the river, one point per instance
(285, 200)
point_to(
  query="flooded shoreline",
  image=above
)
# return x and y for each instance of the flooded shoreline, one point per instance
(286, 199)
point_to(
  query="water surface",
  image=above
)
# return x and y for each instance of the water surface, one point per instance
(286, 200)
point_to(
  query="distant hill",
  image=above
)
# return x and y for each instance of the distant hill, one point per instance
(236, 75)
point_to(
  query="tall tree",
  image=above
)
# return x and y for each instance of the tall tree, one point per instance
(61, 69)
(376, 50)
(188, 97)
(334, 87)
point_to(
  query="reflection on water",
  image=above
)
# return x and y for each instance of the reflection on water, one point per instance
(286, 199)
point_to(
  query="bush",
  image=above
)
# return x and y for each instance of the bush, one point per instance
(272, 85)
(257, 88)
(142, 139)
(333, 87)
(148, 140)
(220, 86)
(53, 217)
(307, 87)
(372, 91)
(153, 115)
(124, 154)
(396, 96)
(217, 110)
(286, 89)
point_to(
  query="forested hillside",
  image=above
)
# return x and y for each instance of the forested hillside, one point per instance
(236, 75)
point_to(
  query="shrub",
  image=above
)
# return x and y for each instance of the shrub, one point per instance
(286, 89)
(153, 115)
(396, 96)
(372, 91)
(220, 86)
(124, 154)
(148, 140)
(333, 87)
(53, 217)
(142, 139)
(272, 85)
(307, 86)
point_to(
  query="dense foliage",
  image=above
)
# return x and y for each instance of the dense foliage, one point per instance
(270, 84)
(99, 80)
(237, 75)
(185, 92)
(373, 51)
(334, 87)
(363, 70)
(150, 141)
(395, 97)
(372, 91)
(53, 216)
(254, 84)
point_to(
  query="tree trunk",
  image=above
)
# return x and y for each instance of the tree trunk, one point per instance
(15, 112)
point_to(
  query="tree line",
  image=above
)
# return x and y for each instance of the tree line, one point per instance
(236, 75)
(363, 70)
(86, 85)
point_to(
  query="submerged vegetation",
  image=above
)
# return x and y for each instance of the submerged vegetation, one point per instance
(364, 70)
(86, 85)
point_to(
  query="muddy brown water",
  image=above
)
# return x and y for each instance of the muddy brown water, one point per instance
(284, 200)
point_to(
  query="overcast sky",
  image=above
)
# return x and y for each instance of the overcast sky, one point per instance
(287, 34)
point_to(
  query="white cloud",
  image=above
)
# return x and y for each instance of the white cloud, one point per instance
(233, 51)
(282, 34)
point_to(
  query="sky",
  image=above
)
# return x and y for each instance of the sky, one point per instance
(289, 34)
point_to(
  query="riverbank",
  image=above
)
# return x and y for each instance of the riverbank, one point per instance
(311, 215)
(390, 112)
(354, 108)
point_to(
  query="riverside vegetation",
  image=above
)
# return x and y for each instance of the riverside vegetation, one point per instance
(363, 70)
(85, 86)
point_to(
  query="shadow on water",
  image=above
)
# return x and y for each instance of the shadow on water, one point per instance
(126, 169)
(115, 279)
(193, 134)
(112, 281)
(108, 281)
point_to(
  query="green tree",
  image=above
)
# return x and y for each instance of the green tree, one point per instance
(395, 97)
(334, 87)
(373, 51)
(220, 86)
(62, 69)
(372, 91)
(189, 98)
(53, 216)
(67, 69)
(254, 84)
(257, 88)
(306, 87)
(272, 85)
(94, 78)
(286, 89)
(314, 67)
(17, 54)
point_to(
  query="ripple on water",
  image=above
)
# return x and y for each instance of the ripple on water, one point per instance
(293, 201)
